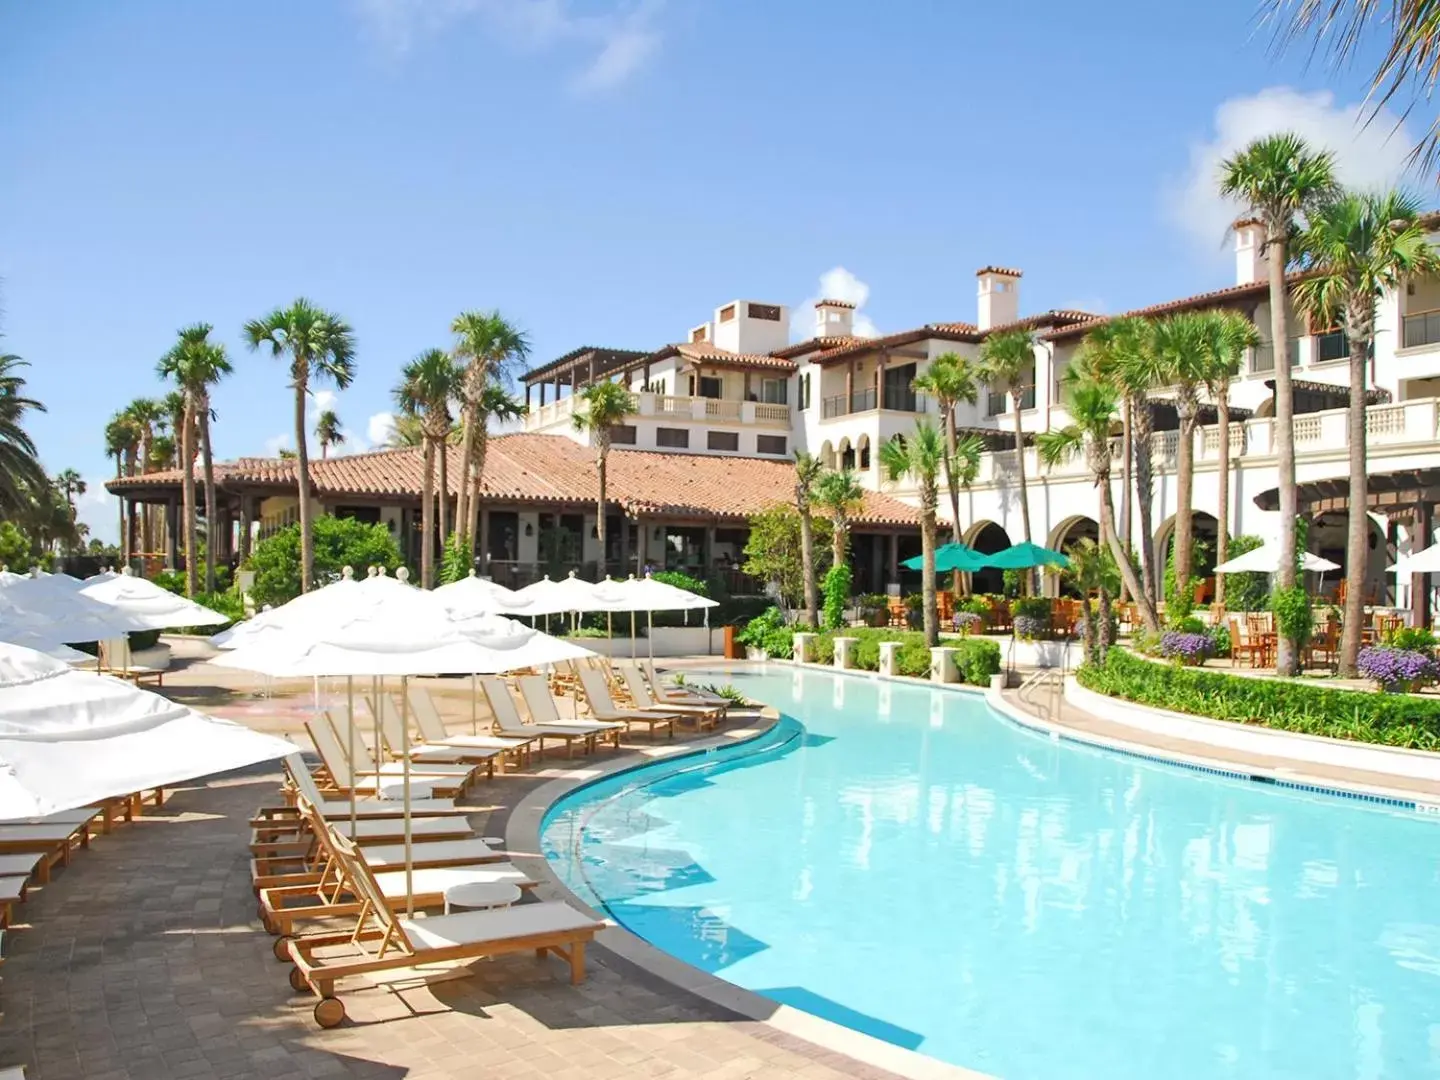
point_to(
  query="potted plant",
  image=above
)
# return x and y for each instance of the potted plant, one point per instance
(875, 609)
(915, 611)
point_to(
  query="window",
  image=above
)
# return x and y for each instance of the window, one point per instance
(673, 437)
(770, 444)
(623, 435)
(994, 403)
(711, 387)
(768, 312)
(775, 391)
(700, 333)
(727, 313)
(655, 386)
(864, 456)
(370, 515)
(1332, 346)
(723, 440)
(897, 393)
(805, 391)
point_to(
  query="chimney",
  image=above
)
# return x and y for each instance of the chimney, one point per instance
(998, 296)
(834, 318)
(1251, 264)
(700, 333)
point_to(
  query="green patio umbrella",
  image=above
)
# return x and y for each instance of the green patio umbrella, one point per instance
(1024, 556)
(948, 557)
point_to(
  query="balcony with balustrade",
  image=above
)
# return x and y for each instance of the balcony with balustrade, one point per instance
(893, 399)
(673, 407)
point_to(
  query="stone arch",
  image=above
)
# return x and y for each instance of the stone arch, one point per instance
(1206, 528)
(827, 455)
(845, 454)
(862, 453)
(1074, 528)
(987, 537)
(1327, 538)
(1265, 408)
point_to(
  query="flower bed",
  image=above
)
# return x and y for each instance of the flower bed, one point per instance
(1188, 648)
(1402, 670)
(1387, 719)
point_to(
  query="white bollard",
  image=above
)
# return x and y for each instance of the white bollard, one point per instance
(801, 643)
(888, 649)
(942, 665)
(845, 652)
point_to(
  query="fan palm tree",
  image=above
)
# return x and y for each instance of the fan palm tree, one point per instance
(489, 346)
(921, 457)
(1230, 334)
(149, 417)
(426, 386)
(1358, 246)
(839, 492)
(196, 364)
(122, 440)
(320, 346)
(950, 379)
(328, 432)
(1277, 179)
(808, 470)
(70, 484)
(19, 462)
(1091, 402)
(1007, 363)
(606, 405)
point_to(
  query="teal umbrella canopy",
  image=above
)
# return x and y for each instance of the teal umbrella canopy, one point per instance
(949, 557)
(1024, 556)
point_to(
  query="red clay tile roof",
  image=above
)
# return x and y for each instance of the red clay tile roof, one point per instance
(998, 270)
(704, 352)
(531, 468)
(834, 303)
(950, 331)
(1214, 298)
(816, 344)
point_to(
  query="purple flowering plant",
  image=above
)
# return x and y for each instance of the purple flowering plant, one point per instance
(1186, 647)
(1397, 670)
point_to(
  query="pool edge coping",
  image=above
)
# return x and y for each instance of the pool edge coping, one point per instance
(522, 840)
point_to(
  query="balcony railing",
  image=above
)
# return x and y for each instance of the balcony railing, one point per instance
(1262, 357)
(673, 407)
(998, 402)
(1422, 328)
(845, 404)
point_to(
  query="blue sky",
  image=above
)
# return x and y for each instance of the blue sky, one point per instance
(603, 172)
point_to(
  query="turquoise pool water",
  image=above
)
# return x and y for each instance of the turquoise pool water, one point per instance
(908, 863)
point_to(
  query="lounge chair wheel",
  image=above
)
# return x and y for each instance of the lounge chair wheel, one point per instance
(281, 948)
(297, 981)
(329, 1012)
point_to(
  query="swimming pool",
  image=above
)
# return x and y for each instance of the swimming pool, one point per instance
(908, 863)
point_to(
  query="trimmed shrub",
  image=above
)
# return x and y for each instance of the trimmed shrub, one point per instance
(977, 660)
(768, 631)
(837, 595)
(913, 658)
(1278, 703)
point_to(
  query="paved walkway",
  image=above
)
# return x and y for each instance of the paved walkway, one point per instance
(145, 961)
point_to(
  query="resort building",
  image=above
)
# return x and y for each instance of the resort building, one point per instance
(719, 413)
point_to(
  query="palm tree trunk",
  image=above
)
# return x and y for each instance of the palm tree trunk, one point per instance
(1357, 540)
(1144, 500)
(807, 566)
(927, 563)
(477, 478)
(1090, 641)
(302, 484)
(467, 451)
(1024, 493)
(951, 442)
(1122, 558)
(837, 539)
(1127, 478)
(1287, 653)
(1184, 497)
(122, 538)
(187, 490)
(1105, 611)
(443, 454)
(1222, 528)
(207, 462)
(427, 515)
(602, 452)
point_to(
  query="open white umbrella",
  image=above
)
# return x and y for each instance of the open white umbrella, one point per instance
(34, 605)
(1266, 560)
(547, 597)
(648, 595)
(152, 607)
(1425, 561)
(475, 595)
(69, 738)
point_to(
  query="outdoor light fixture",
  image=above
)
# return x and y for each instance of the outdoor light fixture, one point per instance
(529, 529)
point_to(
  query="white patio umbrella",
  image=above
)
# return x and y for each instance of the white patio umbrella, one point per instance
(69, 738)
(318, 606)
(152, 607)
(1266, 560)
(475, 595)
(547, 597)
(34, 605)
(648, 595)
(1424, 561)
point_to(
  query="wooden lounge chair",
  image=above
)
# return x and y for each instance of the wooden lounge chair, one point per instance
(338, 809)
(52, 839)
(381, 941)
(686, 695)
(702, 717)
(508, 721)
(432, 729)
(602, 706)
(363, 775)
(393, 735)
(12, 893)
(332, 893)
(365, 764)
(545, 711)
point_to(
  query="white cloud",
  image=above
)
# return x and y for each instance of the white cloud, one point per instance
(379, 427)
(98, 509)
(320, 400)
(623, 31)
(837, 283)
(1366, 155)
(275, 444)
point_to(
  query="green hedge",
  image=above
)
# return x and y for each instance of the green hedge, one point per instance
(976, 659)
(1361, 716)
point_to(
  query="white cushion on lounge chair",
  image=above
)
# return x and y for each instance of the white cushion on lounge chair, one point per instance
(436, 879)
(420, 827)
(541, 703)
(390, 856)
(493, 924)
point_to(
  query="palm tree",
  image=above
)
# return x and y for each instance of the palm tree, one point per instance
(328, 433)
(1278, 178)
(122, 439)
(1128, 357)
(424, 392)
(1007, 363)
(839, 492)
(70, 484)
(19, 462)
(1231, 334)
(1358, 247)
(1091, 401)
(808, 470)
(921, 457)
(1411, 58)
(196, 363)
(1093, 571)
(149, 416)
(320, 346)
(950, 380)
(489, 345)
(606, 405)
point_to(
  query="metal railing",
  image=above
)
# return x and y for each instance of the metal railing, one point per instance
(1422, 328)
(1262, 357)
(845, 404)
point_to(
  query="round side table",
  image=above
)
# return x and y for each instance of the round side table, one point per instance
(481, 894)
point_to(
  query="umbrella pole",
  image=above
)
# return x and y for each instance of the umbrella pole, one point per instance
(350, 717)
(377, 702)
(405, 773)
(474, 720)
(650, 636)
(634, 645)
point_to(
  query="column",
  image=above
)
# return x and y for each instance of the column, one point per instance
(624, 544)
(892, 559)
(880, 383)
(244, 529)
(745, 390)
(172, 534)
(1420, 583)
(482, 547)
(642, 535)
(527, 395)
(850, 386)
(541, 388)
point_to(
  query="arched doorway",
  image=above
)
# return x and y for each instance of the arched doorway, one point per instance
(1066, 535)
(987, 538)
(1328, 538)
(1205, 529)
(827, 455)
(846, 454)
